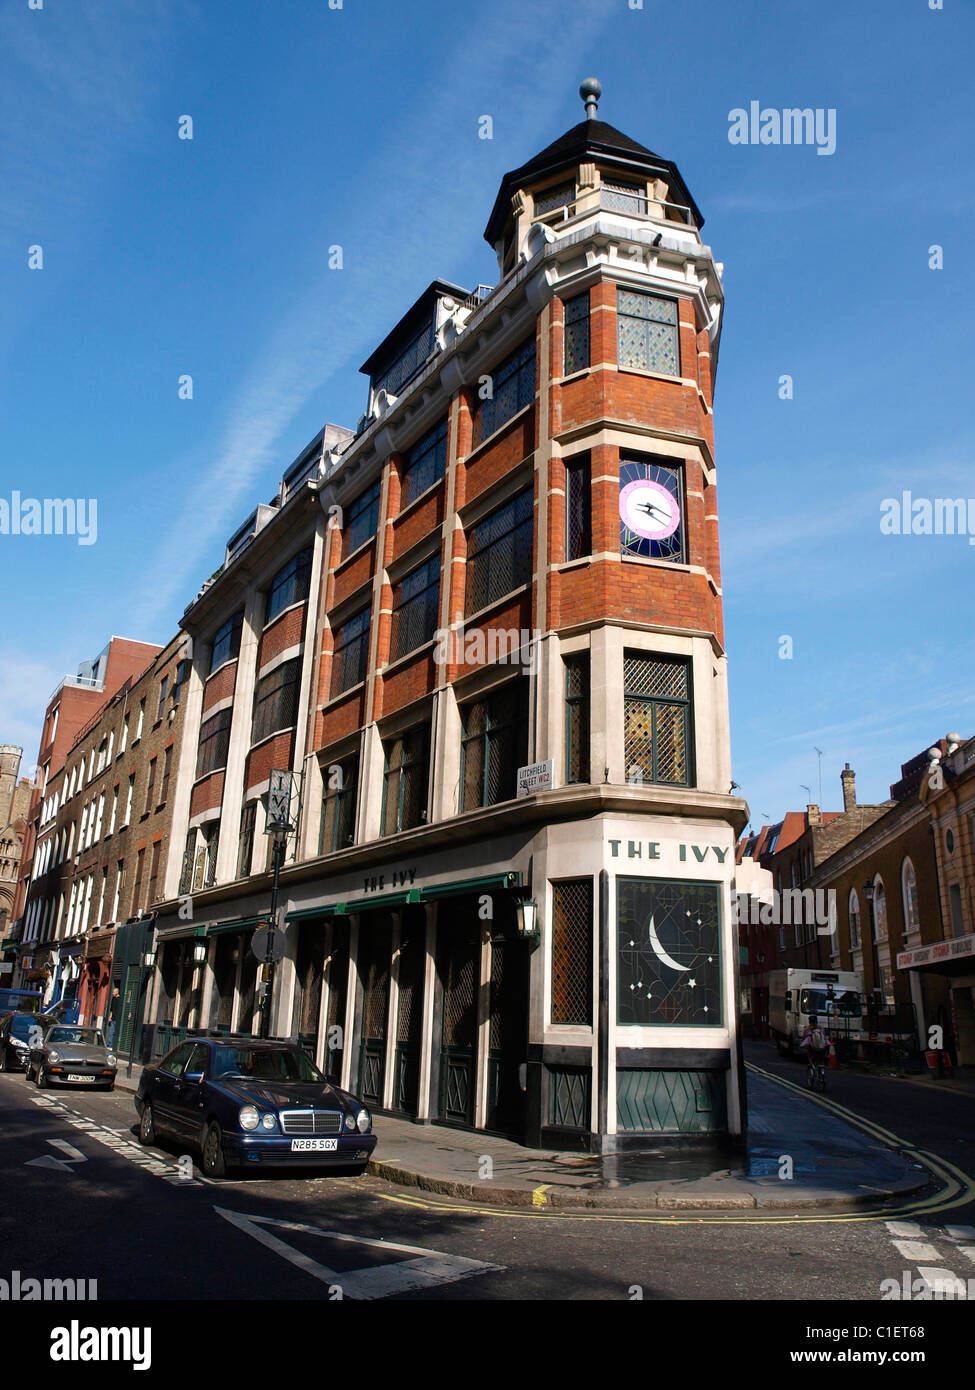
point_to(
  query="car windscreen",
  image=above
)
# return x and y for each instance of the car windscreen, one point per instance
(263, 1064)
(21, 1027)
(817, 1001)
(79, 1037)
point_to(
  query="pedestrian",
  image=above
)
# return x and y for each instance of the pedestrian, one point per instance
(113, 1016)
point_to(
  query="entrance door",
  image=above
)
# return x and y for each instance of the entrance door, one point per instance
(409, 1018)
(308, 995)
(508, 1034)
(375, 948)
(458, 960)
(130, 1003)
(338, 980)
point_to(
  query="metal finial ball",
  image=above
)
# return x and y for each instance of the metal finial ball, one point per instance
(591, 87)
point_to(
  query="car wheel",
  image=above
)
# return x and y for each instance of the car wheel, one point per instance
(214, 1163)
(3, 1059)
(147, 1125)
(42, 1081)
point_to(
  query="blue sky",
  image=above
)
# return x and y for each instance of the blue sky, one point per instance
(359, 127)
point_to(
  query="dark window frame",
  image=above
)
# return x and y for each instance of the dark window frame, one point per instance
(578, 507)
(428, 456)
(656, 703)
(494, 413)
(421, 608)
(350, 654)
(575, 311)
(494, 730)
(484, 554)
(412, 767)
(339, 805)
(648, 319)
(214, 744)
(290, 586)
(228, 633)
(361, 520)
(276, 700)
(577, 708)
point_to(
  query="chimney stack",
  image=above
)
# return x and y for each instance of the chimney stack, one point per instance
(812, 815)
(848, 778)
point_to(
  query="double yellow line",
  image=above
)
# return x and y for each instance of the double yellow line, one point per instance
(957, 1188)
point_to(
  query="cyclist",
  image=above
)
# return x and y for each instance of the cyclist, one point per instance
(816, 1040)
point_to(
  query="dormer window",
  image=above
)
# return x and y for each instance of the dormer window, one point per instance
(406, 366)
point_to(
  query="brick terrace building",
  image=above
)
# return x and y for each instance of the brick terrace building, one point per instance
(74, 703)
(514, 561)
(103, 844)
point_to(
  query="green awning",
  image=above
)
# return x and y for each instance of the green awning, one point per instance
(376, 902)
(512, 879)
(240, 924)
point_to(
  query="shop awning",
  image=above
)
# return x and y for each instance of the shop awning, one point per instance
(238, 924)
(378, 902)
(955, 956)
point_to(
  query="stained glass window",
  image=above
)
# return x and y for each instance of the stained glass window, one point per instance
(647, 328)
(668, 942)
(657, 719)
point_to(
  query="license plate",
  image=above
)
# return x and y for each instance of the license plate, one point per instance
(301, 1146)
(72, 1076)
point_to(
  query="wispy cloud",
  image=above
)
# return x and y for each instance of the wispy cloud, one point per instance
(334, 315)
(26, 686)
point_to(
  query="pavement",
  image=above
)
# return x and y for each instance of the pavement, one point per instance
(799, 1154)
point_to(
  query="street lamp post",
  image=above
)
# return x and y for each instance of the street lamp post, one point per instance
(277, 853)
(875, 959)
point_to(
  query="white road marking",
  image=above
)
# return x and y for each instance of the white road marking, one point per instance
(915, 1250)
(430, 1268)
(112, 1139)
(940, 1280)
(68, 1149)
(969, 1251)
(954, 1233)
(910, 1229)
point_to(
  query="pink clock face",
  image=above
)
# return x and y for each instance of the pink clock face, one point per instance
(649, 510)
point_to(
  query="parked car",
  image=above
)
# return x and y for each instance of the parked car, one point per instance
(18, 1033)
(71, 1056)
(246, 1103)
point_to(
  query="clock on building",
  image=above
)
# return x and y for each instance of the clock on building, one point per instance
(651, 510)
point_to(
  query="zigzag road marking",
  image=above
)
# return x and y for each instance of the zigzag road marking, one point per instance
(124, 1148)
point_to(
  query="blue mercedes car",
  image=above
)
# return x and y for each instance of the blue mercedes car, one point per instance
(244, 1103)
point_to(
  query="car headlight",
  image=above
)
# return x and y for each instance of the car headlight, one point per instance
(54, 1056)
(349, 1122)
(249, 1118)
(269, 1122)
(20, 1046)
(111, 1060)
(363, 1121)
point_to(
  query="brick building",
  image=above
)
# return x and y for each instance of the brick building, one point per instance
(75, 702)
(511, 564)
(103, 842)
(15, 798)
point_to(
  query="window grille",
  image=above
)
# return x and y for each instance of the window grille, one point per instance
(499, 553)
(577, 717)
(416, 602)
(245, 851)
(647, 328)
(494, 745)
(408, 364)
(623, 197)
(338, 805)
(290, 585)
(572, 905)
(578, 508)
(214, 743)
(406, 778)
(576, 334)
(551, 198)
(657, 720)
(512, 388)
(361, 520)
(226, 641)
(351, 657)
(276, 701)
(424, 464)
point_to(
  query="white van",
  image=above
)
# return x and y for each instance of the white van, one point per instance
(834, 996)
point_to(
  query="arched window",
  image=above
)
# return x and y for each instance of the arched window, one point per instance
(912, 918)
(879, 910)
(854, 911)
